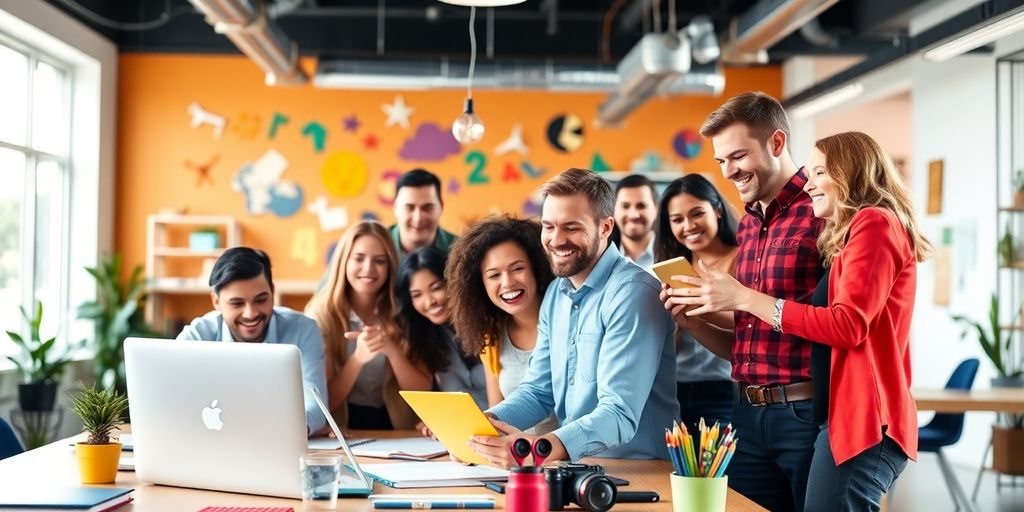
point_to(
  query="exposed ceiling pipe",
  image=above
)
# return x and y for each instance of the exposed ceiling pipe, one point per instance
(815, 34)
(257, 37)
(766, 23)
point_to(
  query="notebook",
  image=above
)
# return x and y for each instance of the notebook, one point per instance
(410, 448)
(91, 499)
(410, 475)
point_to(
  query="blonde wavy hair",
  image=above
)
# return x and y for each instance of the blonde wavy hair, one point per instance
(863, 176)
(331, 305)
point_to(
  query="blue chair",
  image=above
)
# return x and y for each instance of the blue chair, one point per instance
(9, 445)
(945, 430)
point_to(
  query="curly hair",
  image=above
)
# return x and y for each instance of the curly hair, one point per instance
(475, 317)
(426, 340)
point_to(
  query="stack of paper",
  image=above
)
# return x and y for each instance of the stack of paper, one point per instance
(411, 448)
(407, 475)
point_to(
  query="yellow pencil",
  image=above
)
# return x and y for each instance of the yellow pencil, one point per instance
(718, 459)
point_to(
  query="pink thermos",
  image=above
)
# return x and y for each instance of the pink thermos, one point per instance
(527, 490)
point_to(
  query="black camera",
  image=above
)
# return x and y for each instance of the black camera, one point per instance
(582, 484)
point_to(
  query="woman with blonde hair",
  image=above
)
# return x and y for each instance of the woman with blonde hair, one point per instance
(368, 361)
(861, 311)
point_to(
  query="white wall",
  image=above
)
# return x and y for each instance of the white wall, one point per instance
(94, 97)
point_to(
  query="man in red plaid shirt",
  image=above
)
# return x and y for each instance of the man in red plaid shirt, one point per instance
(778, 255)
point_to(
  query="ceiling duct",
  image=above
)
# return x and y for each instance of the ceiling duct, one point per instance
(444, 74)
(766, 23)
(702, 79)
(654, 64)
(249, 28)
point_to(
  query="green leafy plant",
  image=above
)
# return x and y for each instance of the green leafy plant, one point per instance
(100, 411)
(117, 313)
(1005, 248)
(997, 348)
(35, 363)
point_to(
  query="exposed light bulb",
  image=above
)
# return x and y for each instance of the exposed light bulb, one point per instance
(468, 127)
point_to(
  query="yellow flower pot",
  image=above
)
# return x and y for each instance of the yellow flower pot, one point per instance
(97, 463)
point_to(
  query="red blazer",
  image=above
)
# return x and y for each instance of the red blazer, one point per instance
(867, 323)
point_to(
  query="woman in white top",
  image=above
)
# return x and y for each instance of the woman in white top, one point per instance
(368, 360)
(497, 274)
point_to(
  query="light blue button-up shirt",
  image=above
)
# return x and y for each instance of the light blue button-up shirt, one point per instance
(604, 363)
(286, 326)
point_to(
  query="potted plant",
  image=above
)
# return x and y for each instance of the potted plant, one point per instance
(100, 412)
(1005, 248)
(1008, 432)
(117, 313)
(39, 368)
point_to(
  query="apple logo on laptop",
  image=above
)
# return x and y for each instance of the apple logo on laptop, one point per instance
(211, 417)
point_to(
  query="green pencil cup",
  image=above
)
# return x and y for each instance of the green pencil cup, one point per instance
(696, 494)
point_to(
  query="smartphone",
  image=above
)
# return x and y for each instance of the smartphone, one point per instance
(674, 267)
(637, 497)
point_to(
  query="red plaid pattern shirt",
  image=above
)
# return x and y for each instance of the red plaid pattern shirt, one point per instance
(778, 256)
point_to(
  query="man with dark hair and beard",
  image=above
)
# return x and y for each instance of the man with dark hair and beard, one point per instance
(605, 358)
(243, 300)
(636, 207)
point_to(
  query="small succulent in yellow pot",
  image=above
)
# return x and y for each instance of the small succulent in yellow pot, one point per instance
(100, 412)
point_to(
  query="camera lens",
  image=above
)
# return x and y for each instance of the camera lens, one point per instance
(595, 492)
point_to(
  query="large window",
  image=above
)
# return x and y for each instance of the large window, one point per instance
(35, 130)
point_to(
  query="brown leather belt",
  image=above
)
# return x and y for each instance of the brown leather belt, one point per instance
(778, 394)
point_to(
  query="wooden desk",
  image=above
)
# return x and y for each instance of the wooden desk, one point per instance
(1006, 400)
(55, 465)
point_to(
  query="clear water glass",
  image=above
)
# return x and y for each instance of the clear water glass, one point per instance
(320, 473)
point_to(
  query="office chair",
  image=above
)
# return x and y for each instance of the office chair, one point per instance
(9, 445)
(945, 430)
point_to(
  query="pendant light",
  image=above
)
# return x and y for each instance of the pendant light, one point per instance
(468, 127)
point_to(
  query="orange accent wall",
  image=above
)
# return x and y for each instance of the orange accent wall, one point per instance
(155, 140)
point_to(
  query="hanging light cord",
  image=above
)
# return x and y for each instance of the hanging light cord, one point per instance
(472, 52)
(672, 15)
(165, 17)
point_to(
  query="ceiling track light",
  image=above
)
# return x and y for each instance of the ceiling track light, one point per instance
(976, 38)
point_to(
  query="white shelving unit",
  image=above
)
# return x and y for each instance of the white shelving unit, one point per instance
(160, 252)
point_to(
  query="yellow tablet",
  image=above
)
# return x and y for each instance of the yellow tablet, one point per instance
(453, 418)
(674, 267)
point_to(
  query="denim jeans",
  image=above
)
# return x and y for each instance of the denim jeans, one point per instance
(773, 454)
(711, 400)
(857, 484)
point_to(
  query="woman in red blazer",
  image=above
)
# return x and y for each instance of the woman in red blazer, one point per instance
(872, 244)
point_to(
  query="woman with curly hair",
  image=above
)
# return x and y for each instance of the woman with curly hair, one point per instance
(368, 359)
(423, 310)
(497, 274)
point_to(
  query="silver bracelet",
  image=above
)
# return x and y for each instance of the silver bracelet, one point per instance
(777, 315)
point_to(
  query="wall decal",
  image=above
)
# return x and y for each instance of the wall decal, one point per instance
(304, 246)
(430, 143)
(263, 187)
(277, 121)
(479, 162)
(344, 173)
(351, 123)
(386, 189)
(687, 144)
(247, 125)
(203, 169)
(331, 218)
(651, 161)
(368, 215)
(565, 133)
(370, 141)
(453, 186)
(533, 172)
(597, 164)
(398, 113)
(510, 173)
(514, 142)
(201, 117)
(531, 208)
(317, 132)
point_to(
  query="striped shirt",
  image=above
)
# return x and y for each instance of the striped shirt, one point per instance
(778, 256)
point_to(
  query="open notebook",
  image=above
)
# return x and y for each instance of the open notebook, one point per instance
(410, 448)
(409, 475)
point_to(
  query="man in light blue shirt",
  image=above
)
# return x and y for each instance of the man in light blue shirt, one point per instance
(243, 295)
(605, 357)
(636, 210)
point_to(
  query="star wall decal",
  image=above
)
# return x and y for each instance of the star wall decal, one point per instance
(398, 113)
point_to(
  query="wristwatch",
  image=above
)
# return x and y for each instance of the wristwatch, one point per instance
(777, 315)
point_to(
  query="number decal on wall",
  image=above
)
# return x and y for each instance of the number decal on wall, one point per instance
(477, 175)
(304, 246)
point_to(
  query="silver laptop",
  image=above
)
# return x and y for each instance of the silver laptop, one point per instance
(221, 416)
